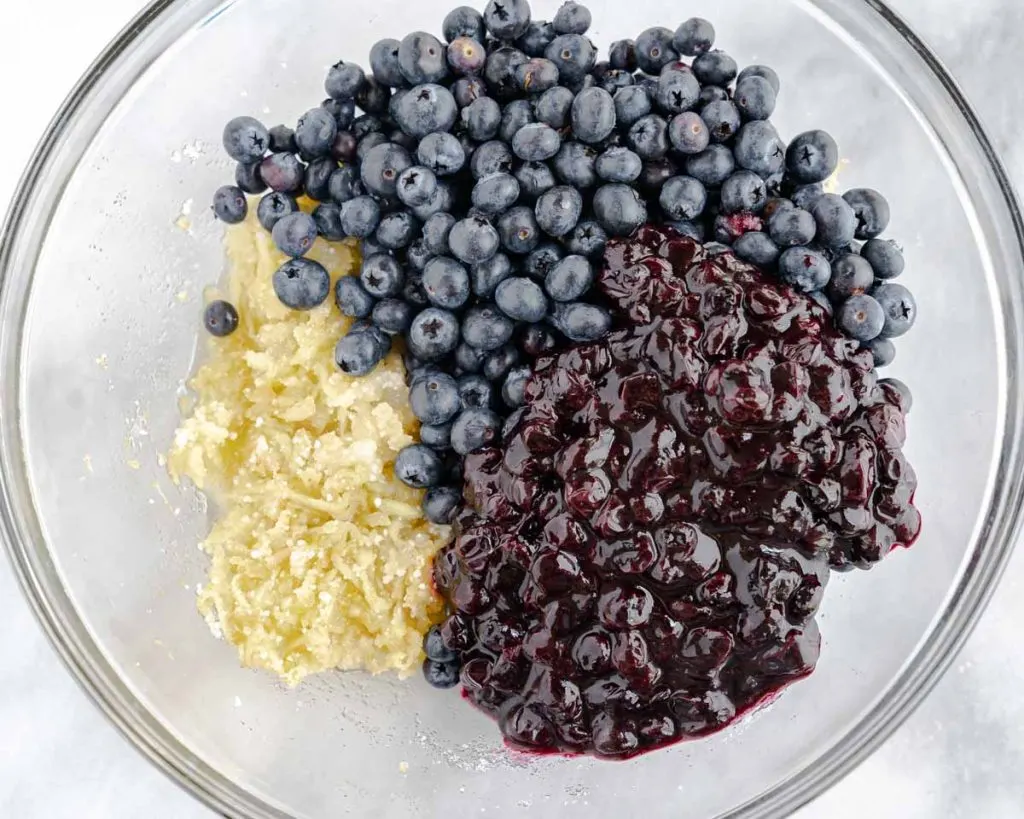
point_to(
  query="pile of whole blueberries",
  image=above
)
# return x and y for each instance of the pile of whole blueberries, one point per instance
(484, 175)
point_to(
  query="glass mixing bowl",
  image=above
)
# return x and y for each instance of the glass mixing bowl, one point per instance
(105, 255)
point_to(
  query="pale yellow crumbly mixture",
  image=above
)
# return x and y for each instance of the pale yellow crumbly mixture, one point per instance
(320, 556)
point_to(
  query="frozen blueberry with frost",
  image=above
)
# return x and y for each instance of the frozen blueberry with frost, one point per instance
(328, 221)
(711, 167)
(593, 115)
(537, 75)
(474, 239)
(435, 399)
(513, 391)
(442, 153)
(302, 284)
(792, 227)
(464, 21)
(654, 49)
(757, 248)
(715, 68)
(539, 35)
(534, 178)
(518, 230)
(588, 239)
(344, 80)
(499, 362)
(381, 168)
(755, 98)
(315, 133)
(574, 55)
(683, 198)
(851, 276)
(482, 119)
(648, 136)
(758, 148)
(416, 185)
(426, 109)
(693, 37)
(764, 72)
(575, 165)
(572, 18)
(422, 59)
(541, 260)
(688, 133)
(883, 351)
(345, 185)
(677, 91)
(569, 279)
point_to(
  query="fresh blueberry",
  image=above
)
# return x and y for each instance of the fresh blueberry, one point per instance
(582, 322)
(619, 209)
(500, 72)
(593, 115)
(344, 185)
(558, 210)
(613, 81)
(654, 50)
(466, 56)
(517, 114)
(575, 165)
(397, 230)
(419, 466)
(393, 316)
(684, 198)
(861, 317)
(426, 109)
(688, 133)
(507, 19)
(836, 220)
(899, 307)
(632, 104)
(574, 55)
(435, 232)
(469, 359)
(851, 276)
(230, 204)
(587, 239)
(442, 200)
(537, 340)
(344, 80)
(792, 227)
(805, 269)
(513, 391)
(446, 282)
(416, 185)
(534, 178)
(710, 94)
(885, 258)
(715, 68)
(317, 182)
(473, 240)
(572, 18)
(442, 153)
(622, 55)
(422, 58)
(491, 158)
(295, 234)
(434, 333)
(812, 157)
(302, 284)
(368, 143)
(315, 133)
(360, 216)
(537, 75)
(499, 362)
(539, 262)
(486, 276)
(282, 140)
(554, 106)
(475, 391)
(463, 22)
(440, 503)
(352, 298)
(482, 119)
(537, 38)
(648, 136)
(343, 111)
(759, 149)
(246, 139)
(806, 195)
(764, 72)
(757, 248)
(435, 399)
(536, 142)
(283, 173)
(475, 429)
(381, 275)
(722, 119)
(365, 125)
(695, 36)
(569, 279)
(743, 191)
(521, 300)
(384, 63)
(518, 230)
(872, 212)
(883, 351)
(273, 207)
(381, 168)
(328, 221)
(467, 90)
(361, 349)
(248, 178)
(678, 91)
(437, 437)
(220, 318)
(486, 328)
(755, 98)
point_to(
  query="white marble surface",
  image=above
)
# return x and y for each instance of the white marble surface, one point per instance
(961, 755)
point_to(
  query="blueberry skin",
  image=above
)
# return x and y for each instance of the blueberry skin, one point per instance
(382, 167)
(507, 19)
(352, 298)
(344, 80)
(792, 227)
(558, 210)
(694, 37)
(361, 349)
(755, 98)
(759, 149)
(368, 143)
(486, 328)
(247, 177)
(517, 114)
(416, 185)
(302, 284)
(384, 63)
(836, 220)
(446, 282)
(513, 391)
(537, 75)
(757, 248)
(475, 429)
(683, 198)
(273, 207)
(442, 201)
(536, 142)
(521, 300)
(499, 363)
(582, 322)
(473, 240)
(435, 232)
(467, 90)
(534, 178)
(440, 504)
(282, 140)
(315, 133)
(569, 279)
(491, 158)
(434, 333)
(397, 230)
(283, 173)
(554, 106)
(593, 115)
(574, 55)
(475, 391)
(295, 234)
(806, 195)
(360, 217)
(861, 317)
(851, 276)
(620, 210)
(343, 111)
(723, 120)
(381, 275)
(654, 50)
(482, 119)
(318, 178)
(518, 230)
(469, 359)
(464, 22)
(632, 104)
(587, 239)
(537, 38)
(495, 194)
(688, 133)
(500, 72)
(393, 316)
(819, 298)
(422, 58)
(885, 257)
(743, 190)
(442, 153)
(419, 467)
(246, 139)
(678, 91)
(883, 351)
(576, 165)
(540, 261)
(344, 185)
(572, 18)
(426, 109)
(220, 318)
(486, 276)
(899, 307)
(812, 156)
(435, 399)
(805, 269)
(537, 340)
(466, 55)
(715, 68)
(328, 221)
(622, 55)
(648, 137)
(764, 72)
(618, 165)
(230, 204)
(872, 212)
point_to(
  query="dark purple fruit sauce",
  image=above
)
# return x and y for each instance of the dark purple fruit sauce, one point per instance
(642, 560)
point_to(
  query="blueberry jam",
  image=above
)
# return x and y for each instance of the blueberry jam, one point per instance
(642, 560)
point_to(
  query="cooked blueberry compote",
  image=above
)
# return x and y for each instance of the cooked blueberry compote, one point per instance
(642, 559)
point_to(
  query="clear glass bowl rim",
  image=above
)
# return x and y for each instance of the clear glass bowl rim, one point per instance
(897, 49)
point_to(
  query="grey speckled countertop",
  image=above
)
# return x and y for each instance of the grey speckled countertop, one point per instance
(961, 755)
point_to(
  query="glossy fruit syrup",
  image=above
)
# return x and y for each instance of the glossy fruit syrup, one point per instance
(642, 560)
